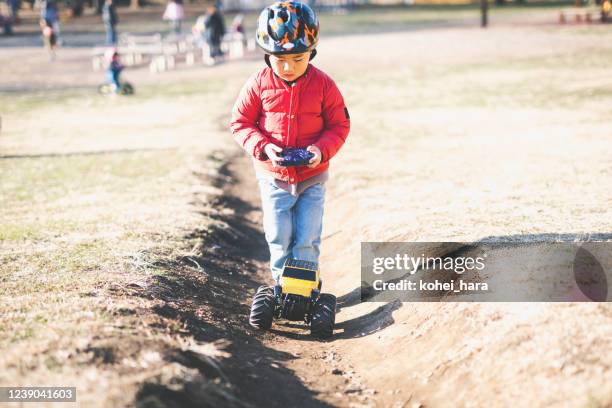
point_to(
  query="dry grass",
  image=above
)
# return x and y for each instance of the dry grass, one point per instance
(92, 209)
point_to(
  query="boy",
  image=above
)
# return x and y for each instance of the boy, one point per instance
(113, 71)
(290, 104)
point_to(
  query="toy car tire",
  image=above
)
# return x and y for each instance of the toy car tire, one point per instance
(104, 89)
(262, 309)
(323, 316)
(127, 88)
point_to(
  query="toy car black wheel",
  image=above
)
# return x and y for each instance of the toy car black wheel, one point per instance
(127, 89)
(262, 309)
(104, 89)
(323, 316)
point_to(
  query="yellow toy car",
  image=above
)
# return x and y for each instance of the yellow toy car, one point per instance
(297, 296)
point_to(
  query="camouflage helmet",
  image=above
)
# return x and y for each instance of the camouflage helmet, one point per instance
(287, 27)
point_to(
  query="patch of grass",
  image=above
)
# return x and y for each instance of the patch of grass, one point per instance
(23, 333)
(46, 179)
(17, 232)
(47, 250)
(388, 20)
(183, 89)
(37, 229)
(541, 82)
(14, 102)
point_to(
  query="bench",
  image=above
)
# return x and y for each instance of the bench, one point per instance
(162, 53)
(579, 14)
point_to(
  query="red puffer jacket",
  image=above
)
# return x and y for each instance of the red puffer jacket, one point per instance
(311, 111)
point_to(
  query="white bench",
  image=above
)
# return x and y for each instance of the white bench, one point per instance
(579, 14)
(162, 53)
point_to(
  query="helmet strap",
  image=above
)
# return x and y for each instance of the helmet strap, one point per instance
(313, 54)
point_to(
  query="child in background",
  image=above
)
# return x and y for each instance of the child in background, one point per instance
(198, 30)
(237, 24)
(290, 104)
(113, 71)
(238, 29)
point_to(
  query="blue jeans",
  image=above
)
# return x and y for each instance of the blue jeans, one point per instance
(292, 224)
(111, 34)
(112, 78)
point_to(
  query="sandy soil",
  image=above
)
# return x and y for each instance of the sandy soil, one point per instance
(502, 169)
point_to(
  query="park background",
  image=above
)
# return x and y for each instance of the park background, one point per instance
(130, 227)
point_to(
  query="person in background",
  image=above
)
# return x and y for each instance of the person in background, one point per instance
(174, 13)
(114, 68)
(49, 37)
(14, 6)
(215, 30)
(606, 8)
(237, 24)
(48, 12)
(110, 19)
(6, 23)
(198, 30)
(238, 29)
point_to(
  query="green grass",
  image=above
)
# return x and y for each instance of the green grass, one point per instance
(15, 102)
(36, 230)
(539, 82)
(49, 238)
(46, 179)
(182, 89)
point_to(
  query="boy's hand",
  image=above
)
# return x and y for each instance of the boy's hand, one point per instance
(316, 160)
(271, 151)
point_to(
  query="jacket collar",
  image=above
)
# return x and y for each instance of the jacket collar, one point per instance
(290, 83)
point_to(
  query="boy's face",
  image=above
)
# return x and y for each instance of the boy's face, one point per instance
(290, 67)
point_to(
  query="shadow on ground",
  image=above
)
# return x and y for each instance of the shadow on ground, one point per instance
(208, 294)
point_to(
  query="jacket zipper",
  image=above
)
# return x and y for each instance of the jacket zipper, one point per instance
(291, 170)
(289, 115)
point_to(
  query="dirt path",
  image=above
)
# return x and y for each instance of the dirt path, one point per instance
(287, 366)
(279, 368)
